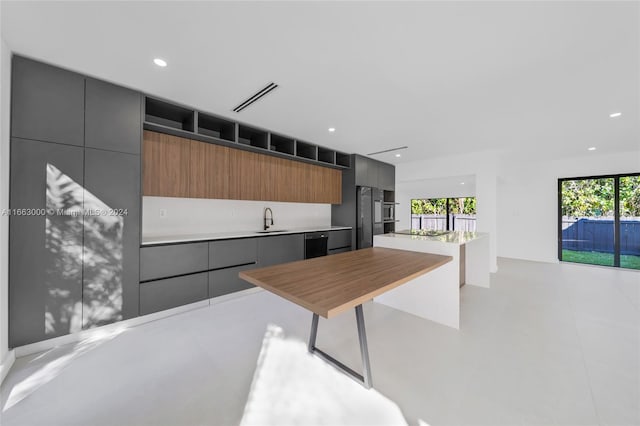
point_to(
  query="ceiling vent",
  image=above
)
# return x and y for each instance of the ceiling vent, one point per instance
(388, 150)
(256, 97)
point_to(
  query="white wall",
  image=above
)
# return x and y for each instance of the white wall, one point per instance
(191, 216)
(528, 200)
(5, 83)
(517, 198)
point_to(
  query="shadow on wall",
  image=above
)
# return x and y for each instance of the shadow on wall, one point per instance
(80, 231)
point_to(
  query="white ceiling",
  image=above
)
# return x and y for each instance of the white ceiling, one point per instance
(539, 79)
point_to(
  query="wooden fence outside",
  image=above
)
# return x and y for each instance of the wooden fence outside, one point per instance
(591, 234)
(461, 222)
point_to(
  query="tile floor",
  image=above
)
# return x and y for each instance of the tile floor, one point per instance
(546, 344)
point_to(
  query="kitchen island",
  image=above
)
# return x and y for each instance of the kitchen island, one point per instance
(436, 296)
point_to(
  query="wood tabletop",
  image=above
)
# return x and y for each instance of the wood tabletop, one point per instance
(332, 284)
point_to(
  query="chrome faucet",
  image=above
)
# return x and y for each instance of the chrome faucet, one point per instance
(268, 221)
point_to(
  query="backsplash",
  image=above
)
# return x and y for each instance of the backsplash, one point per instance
(170, 216)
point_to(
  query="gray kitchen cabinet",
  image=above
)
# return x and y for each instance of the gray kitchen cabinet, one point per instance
(172, 292)
(365, 172)
(171, 260)
(339, 239)
(373, 173)
(225, 281)
(386, 176)
(225, 253)
(111, 237)
(113, 117)
(47, 103)
(277, 249)
(362, 174)
(45, 247)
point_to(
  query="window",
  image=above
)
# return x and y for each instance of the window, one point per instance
(599, 220)
(445, 214)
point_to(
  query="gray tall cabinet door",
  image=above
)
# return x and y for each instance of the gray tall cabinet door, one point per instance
(45, 243)
(111, 237)
(386, 177)
(373, 169)
(47, 103)
(361, 166)
(113, 117)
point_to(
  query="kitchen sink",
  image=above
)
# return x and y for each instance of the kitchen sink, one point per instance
(268, 231)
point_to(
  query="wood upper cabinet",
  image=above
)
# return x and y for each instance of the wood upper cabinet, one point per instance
(177, 167)
(244, 175)
(165, 165)
(208, 171)
(322, 185)
(289, 184)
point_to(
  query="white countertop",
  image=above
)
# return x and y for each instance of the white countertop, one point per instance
(148, 240)
(453, 237)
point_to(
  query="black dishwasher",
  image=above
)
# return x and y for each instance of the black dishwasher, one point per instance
(315, 244)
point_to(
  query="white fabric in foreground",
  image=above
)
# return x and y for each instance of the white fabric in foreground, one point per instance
(292, 387)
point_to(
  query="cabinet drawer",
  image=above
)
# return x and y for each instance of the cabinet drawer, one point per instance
(165, 294)
(339, 250)
(168, 261)
(339, 239)
(232, 252)
(278, 249)
(225, 281)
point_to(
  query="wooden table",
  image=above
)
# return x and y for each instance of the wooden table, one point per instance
(330, 285)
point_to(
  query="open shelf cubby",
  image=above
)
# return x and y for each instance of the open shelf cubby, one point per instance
(169, 115)
(343, 159)
(210, 125)
(282, 144)
(306, 150)
(389, 227)
(253, 137)
(389, 197)
(326, 155)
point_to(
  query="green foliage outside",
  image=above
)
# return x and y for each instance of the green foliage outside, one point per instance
(595, 197)
(430, 206)
(463, 205)
(597, 258)
(589, 197)
(630, 196)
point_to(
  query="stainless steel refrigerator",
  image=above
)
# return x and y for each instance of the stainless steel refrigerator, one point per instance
(369, 215)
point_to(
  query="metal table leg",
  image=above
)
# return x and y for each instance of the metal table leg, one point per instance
(365, 377)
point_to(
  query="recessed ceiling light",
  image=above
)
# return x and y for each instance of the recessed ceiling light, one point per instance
(332, 129)
(160, 62)
(461, 183)
(593, 148)
(615, 114)
(398, 155)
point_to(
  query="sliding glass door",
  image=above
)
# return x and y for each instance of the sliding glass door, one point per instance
(599, 220)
